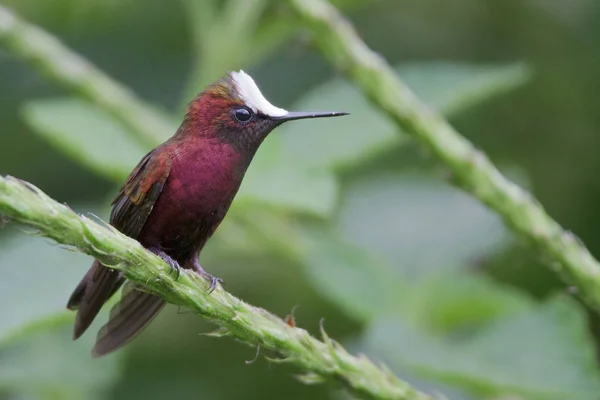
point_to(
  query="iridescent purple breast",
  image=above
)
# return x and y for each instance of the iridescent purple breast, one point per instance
(204, 178)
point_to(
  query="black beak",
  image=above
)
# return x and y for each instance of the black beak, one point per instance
(290, 116)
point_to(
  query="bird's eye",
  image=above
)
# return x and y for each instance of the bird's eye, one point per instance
(242, 114)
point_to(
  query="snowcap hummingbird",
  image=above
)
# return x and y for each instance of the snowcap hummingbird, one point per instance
(176, 197)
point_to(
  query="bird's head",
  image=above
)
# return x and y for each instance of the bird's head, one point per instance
(234, 110)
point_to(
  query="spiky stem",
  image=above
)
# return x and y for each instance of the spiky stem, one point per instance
(471, 169)
(318, 360)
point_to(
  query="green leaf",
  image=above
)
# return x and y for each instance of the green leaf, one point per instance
(542, 352)
(37, 278)
(278, 179)
(44, 362)
(362, 285)
(418, 223)
(366, 288)
(447, 301)
(448, 87)
(38, 357)
(455, 87)
(86, 134)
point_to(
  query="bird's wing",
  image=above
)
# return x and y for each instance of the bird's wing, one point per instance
(132, 206)
(135, 200)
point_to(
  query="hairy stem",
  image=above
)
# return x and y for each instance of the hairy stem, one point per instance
(54, 60)
(318, 360)
(471, 169)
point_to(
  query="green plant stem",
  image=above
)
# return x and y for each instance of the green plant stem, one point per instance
(216, 27)
(319, 360)
(216, 38)
(470, 168)
(53, 59)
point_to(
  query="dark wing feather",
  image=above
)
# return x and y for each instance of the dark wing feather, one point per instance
(127, 318)
(135, 200)
(97, 286)
(132, 206)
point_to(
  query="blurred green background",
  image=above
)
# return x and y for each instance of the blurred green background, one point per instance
(343, 218)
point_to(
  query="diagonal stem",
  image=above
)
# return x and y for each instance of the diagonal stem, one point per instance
(470, 168)
(319, 360)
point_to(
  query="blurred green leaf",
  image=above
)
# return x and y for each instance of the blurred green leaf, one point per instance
(216, 28)
(229, 34)
(455, 87)
(38, 357)
(542, 352)
(37, 279)
(418, 223)
(366, 287)
(359, 283)
(44, 362)
(277, 178)
(447, 301)
(449, 87)
(86, 134)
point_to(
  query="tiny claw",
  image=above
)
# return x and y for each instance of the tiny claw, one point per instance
(177, 268)
(213, 280)
(169, 260)
(213, 283)
(174, 266)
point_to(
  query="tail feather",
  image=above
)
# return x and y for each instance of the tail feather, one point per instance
(77, 295)
(127, 319)
(96, 287)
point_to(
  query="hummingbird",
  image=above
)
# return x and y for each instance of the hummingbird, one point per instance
(176, 197)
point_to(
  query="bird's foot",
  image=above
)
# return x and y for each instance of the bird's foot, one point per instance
(168, 259)
(212, 279)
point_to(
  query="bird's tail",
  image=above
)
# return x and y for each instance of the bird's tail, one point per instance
(128, 317)
(96, 287)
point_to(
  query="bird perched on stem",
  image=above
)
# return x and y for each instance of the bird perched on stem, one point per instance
(176, 197)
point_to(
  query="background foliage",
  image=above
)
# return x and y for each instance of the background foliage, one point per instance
(337, 216)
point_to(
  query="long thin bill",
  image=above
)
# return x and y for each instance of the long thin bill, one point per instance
(292, 115)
